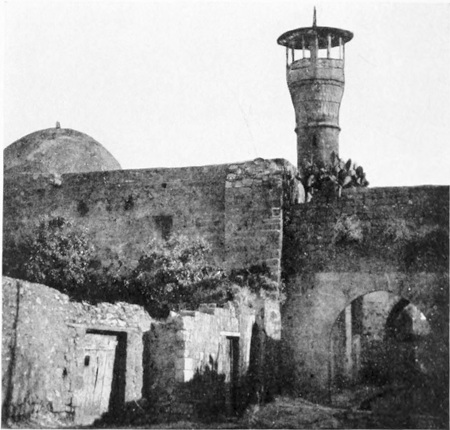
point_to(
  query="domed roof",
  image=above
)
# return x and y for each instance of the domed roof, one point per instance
(57, 150)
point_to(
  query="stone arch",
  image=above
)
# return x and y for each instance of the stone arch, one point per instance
(316, 300)
(372, 330)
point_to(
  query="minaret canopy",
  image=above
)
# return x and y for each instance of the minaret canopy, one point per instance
(306, 36)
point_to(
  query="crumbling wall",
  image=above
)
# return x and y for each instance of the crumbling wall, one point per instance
(37, 351)
(41, 356)
(386, 239)
(190, 363)
(188, 356)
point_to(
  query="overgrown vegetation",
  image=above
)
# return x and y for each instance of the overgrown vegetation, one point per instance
(420, 248)
(333, 177)
(56, 254)
(176, 274)
(348, 229)
(171, 275)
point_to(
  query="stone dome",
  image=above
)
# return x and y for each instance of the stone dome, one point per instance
(57, 150)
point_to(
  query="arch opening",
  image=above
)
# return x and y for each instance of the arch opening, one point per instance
(380, 355)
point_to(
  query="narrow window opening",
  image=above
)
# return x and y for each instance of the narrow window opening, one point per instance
(164, 226)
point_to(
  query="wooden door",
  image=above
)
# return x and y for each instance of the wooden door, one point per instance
(92, 400)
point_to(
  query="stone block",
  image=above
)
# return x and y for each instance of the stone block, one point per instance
(188, 375)
(179, 375)
(189, 364)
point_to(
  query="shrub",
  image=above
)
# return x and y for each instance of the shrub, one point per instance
(348, 229)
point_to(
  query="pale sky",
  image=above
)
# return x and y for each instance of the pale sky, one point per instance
(179, 83)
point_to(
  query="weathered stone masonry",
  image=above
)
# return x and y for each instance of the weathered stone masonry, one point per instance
(256, 195)
(325, 275)
(236, 208)
(328, 252)
(42, 348)
(183, 366)
(191, 369)
(119, 208)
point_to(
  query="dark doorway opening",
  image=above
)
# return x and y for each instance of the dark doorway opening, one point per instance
(233, 354)
(379, 354)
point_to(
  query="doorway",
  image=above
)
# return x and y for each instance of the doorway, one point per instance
(103, 374)
(232, 373)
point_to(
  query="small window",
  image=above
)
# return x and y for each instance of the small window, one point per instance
(164, 226)
(87, 360)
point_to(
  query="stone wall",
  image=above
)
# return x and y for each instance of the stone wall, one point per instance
(42, 354)
(188, 351)
(386, 239)
(236, 208)
(123, 210)
(372, 225)
(184, 366)
(256, 194)
(191, 364)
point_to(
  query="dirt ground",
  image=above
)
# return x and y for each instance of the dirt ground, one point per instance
(286, 413)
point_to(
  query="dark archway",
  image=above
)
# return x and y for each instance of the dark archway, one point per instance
(314, 304)
(380, 350)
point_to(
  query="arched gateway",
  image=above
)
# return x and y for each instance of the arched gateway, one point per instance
(311, 311)
(402, 249)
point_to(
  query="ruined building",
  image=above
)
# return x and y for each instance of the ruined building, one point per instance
(366, 272)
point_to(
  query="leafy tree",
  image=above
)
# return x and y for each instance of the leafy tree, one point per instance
(55, 254)
(257, 278)
(176, 274)
(172, 275)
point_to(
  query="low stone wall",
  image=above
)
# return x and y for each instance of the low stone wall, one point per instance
(42, 355)
(195, 364)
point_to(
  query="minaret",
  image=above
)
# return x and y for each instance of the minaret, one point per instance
(316, 83)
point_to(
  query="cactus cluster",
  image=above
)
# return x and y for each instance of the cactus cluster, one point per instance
(333, 177)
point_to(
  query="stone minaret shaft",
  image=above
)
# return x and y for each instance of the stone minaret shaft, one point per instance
(316, 84)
